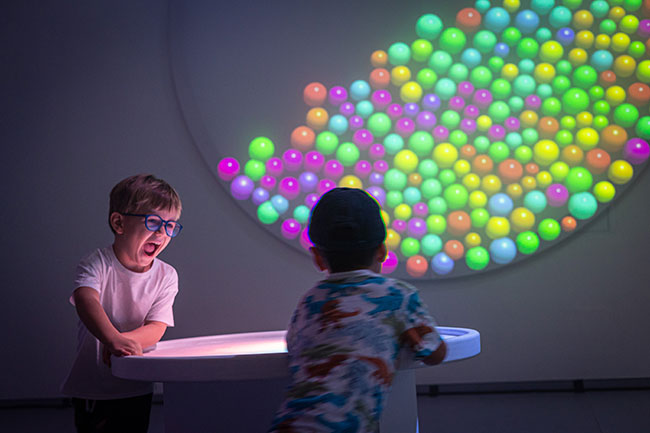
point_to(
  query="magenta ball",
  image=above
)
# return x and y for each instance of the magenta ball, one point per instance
(425, 120)
(380, 166)
(289, 188)
(268, 182)
(325, 185)
(417, 228)
(338, 95)
(636, 151)
(405, 126)
(228, 168)
(355, 122)
(456, 103)
(471, 111)
(242, 187)
(644, 29)
(362, 168)
(440, 133)
(290, 228)
(333, 169)
(533, 102)
(274, 166)
(390, 264)
(394, 111)
(381, 99)
(311, 199)
(378, 193)
(314, 161)
(482, 98)
(468, 126)
(421, 209)
(496, 133)
(292, 159)
(376, 178)
(512, 124)
(363, 139)
(399, 226)
(347, 109)
(308, 181)
(377, 151)
(557, 195)
(465, 89)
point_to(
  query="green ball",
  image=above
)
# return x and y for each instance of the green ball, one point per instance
(549, 229)
(596, 93)
(428, 168)
(410, 247)
(511, 36)
(560, 84)
(393, 143)
(530, 136)
(399, 54)
(544, 90)
(379, 124)
(527, 242)
(482, 6)
(421, 49)
(583, 205)
(543, 34)
(526, 66)
(500, 88)
(527, 48)
(456, 196)
(584, 77)
(575, 100)
(426, 78)
(551, 107)
(579, 179)
(626, 115)
(499, 151)
(453, 40)
(632, 5)
(261, 149)
(600, 122)
(643, 71)
(599, 8)
(450, 119)
(437, 205)
(436, 223)
(266, 213)
(607, 27)
(395, 180)
(327, 142)
(301, 214)
(440, 62)
(445, 88)
(458, 138)
(480, 77)
(523, 154)
(481, 144)
(572, 4)
(447, 177)
(254, 169)
(559, 170)
(563, 67)
(568, 122)
(564, 137)
(431, 244)
(516, 103)
(484, 41)
(629, 24)
(542, 7)
(479, 217)
(524, 85)
(348, 154)
(495, 64)
(394, 198)
(421, 142)
(431, 188)
(458, 72)
(636, 49)
(428, 26)
(477, 258)
(499, 111)
(642, 127)
(514, 140)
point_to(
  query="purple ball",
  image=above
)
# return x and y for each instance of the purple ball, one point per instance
(380, 166)
(440, 133)
(308, 181)
(405, 126)
(533, 102)
(565, 36)
(425, 120)
(378, 193)
(376, 178)
(421, 209)
(312, 199)
(456, 103)
(394, 111)
(381, 98)
(465, 89)
(417, 227)
(411, 109)
(314, 161)
(644, 29)
(347, 109)
(468, 126)
(496, 133)
(636, 151)
(471, 111)
(512, 124)
(260, 195)
(241, 187)
(430, 102)
(482, 98)
(363, 139)
(399, 226)
(337, 95)
(355, 122)
(557, 195)
(377, 151)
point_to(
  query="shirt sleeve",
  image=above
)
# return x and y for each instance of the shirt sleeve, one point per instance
(419, 327)
(162, 308)
(88, 274)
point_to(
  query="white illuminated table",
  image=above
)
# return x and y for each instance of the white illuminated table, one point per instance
(234, 383)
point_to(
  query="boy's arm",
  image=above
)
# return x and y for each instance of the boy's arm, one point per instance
(148, 334)
(92, 315)
(437, 356)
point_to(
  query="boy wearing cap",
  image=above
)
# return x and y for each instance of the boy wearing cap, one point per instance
(346, 333)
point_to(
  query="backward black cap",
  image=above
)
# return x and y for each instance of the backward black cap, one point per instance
(346, 219)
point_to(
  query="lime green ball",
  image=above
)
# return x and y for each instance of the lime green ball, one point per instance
(596, 93)
(527, 48)
(499, 151)
(484, 41)
(629, 24)
(626, 115)
(549, 229)
(499, 111)
(428, 26)
(428, 168)
(564, 137)
(254, 169)
(527, 242)
(511, 36)
(495, 64)
(394, 198)
(600, 122)
(379, 124)
(406, 161)
(500, 88)
(421, 49)
(431, 188)
(604, 191)
(427, 78)
(410, 247)
(636, 49)
(523, 154)
(551, 107)
(559, 170)
(568, 122)
(421, 142)
(348, 154)
(453, 40)
(551, 51)
(436, 223)
(480, 77)
(579, 179)
(327, 142)
(516, 103)
(575, 100)
(447, 177)
(261, 149)
(583, 205)
(431, 245)
(458, 72)
(456, 196)
(450, 119)
(584, 77)
(479, 217)
(643, 71)
(395, 180)
(399, 54)
(560, 85)
(477, 258)
(458, 138)
(266, 213)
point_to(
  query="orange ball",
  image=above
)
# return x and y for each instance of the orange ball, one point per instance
(607, 78)
(416, 266)
(548, 127)
(532, 168)
(569, 223)
(638, 94)
(572, 155)
(468, 20)
(415, 179)
(379, 58)
(379, 78)
(468, 151)
(314, 94)
(302, 138)
(612, 138)
(482, 165)
(510, 170)
(454, 249)
(458, 223)
(317, 118)
(528, 118)
(597, 161)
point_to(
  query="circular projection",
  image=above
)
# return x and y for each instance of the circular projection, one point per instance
(486, 137)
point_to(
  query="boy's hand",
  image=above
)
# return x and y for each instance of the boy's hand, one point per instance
(120, 346)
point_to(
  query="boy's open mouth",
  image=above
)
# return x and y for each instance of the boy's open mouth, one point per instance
(150, 248)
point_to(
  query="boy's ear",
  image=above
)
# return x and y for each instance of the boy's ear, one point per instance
(117, 222)
(318, 258)
(382, 253)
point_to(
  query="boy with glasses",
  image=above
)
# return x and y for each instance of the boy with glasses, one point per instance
(123, 296)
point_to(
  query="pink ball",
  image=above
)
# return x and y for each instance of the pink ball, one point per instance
(292, 159)
(362, 168)
(362, 138)
(311, 200)
(333, 169)
(533, 102)
(274, 166)
(512, 124)
(290, 228)
(440, 133)
(338, 95)
(381, 99)
(289, 188)
(456, 103)
(644, 29)
(376, 151)
(394, 111)
(636, 151)
(228, 168)
(465, 89)
(471, 111)
(405, 127)
(468, 126)
(557, 195)
(380, 166)
(268, 182)
(355, 122)
(325, 185)
(420, 209)
(496, 133)
(390, 264)
(314, 161)
(482, 98)
(347, 109)
(399, 226)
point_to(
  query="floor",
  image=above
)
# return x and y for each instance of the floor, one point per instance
(605, 411)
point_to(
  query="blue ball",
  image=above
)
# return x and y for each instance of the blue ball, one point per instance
(260, 195)
(535, 201)
(501, 49)
(565, 36)
(279, 203)
(471, 57)
(500, 204)
(601, 60)
(442, 264)
(503, 250)
(527, 21)
(359, 90)
(338, 124)
(496, 19)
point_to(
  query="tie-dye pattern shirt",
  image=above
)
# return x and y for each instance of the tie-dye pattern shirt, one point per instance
(343, 342)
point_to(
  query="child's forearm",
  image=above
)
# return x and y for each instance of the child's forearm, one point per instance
(148, 334)
(92, 315)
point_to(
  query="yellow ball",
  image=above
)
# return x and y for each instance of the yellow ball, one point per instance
(587, 138)
(615, 95)
(350, 181)
(410, 92)
(497, 227)
(491, 184)
(616, 13)
(471, 181)
(545, 152)
(393, 239)
(544, 179)
(620, 42)
(406, 161)
(602, 42)
(400, 75)
(511, 5)
(624, 66)
(583, 19)
(477, 199)
(385, 217)
(604, 191)
(559, 170)
(528, 183)
(403, 212)
(462, 167)
(528, 118)
(472, 239)
(578, 57)
(584, 119)
(584, 39)
(445, 154)
(514, 191)
(620, 172)
(544, 73)
(483, 122)
(572, 155)
(551, 51)
(317, 118)
(509, 71)
(522, 219)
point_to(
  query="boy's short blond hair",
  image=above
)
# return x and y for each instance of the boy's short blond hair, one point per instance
(143, 193)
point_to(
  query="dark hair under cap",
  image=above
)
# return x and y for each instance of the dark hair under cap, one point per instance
(346, 219)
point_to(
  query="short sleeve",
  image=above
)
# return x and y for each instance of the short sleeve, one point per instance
(162, 307)
(88, 274)
(420, 328)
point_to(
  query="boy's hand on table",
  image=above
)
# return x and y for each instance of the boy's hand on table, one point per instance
(120, 346)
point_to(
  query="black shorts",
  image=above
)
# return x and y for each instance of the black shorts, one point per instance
(112, 416)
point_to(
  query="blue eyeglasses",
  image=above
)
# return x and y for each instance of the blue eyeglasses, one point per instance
(153, 223)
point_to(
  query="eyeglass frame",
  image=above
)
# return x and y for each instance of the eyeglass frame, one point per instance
(162, 223)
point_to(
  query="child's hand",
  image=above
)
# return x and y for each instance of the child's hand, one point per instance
(120, 346)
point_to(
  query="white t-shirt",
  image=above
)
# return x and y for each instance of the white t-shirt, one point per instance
(129, 299)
